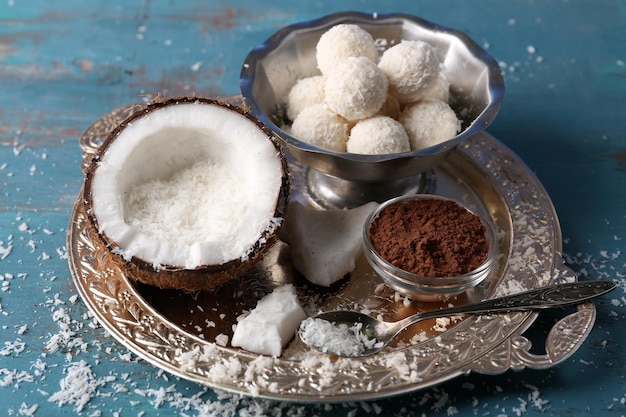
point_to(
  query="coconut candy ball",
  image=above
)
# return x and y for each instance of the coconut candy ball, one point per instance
(410, 66)
(391, 107)
(306, 92)
(429, 122)
(319, 126)
(343, 41)
(378, 135)
(356, 88)
(439, 89)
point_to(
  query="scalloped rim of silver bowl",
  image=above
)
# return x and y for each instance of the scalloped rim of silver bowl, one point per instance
(280, 60)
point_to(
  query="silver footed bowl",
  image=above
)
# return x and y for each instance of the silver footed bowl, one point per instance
(273, 67)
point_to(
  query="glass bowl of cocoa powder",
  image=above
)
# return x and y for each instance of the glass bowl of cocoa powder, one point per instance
(429, 248)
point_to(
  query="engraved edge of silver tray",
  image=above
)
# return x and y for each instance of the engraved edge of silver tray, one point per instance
(123, 312)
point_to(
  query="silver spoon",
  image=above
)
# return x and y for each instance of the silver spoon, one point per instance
(354, 334)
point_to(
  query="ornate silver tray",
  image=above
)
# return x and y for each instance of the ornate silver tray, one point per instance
(186, 334)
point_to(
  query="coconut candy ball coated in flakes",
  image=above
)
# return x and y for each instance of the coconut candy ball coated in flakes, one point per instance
(378, 135)
(391, 107)
(411, 67)
(306, 92)
(429, 122)
(343, 41)
(356, 88)
(321, 127)
(439, 89)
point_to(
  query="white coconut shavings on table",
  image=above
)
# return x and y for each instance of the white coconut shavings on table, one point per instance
(5, 250)
(78, 386)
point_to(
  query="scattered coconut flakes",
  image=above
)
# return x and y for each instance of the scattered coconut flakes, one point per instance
(78, 386)
(441, 324)
(226, 370)
(257, 366)
(13, 348)
(28, 410)
(221, 339)
(419, 337)
(5, 250)
(62, 252)
(14, 378)
(452, 411)
(405, 370)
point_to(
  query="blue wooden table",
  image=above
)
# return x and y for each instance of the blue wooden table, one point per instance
(65, 64)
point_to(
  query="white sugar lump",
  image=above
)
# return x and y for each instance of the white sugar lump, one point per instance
(356, 88)
(343, 41)
(271, 324)
(378, 135)
(410, 67)
(306, 92)
(429, 122)
(319, 126)
(325, 243)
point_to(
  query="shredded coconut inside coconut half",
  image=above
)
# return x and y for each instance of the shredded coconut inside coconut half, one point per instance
(188, 185)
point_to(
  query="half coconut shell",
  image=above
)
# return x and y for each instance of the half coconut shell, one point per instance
(187, 193)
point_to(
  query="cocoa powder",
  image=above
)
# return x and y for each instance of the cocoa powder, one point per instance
(430, 237)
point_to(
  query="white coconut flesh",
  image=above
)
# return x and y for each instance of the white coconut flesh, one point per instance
(188, 185)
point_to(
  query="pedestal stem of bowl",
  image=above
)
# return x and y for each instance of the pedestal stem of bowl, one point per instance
(329, 192)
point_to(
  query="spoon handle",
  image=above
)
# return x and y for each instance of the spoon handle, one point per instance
(536, 299)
